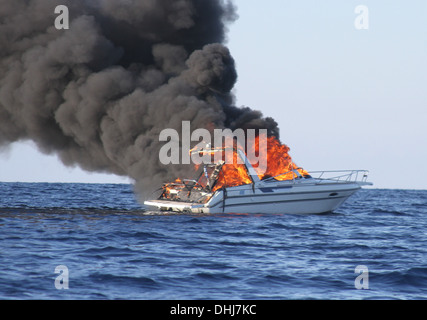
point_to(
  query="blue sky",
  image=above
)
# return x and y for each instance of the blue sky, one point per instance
(344, 98)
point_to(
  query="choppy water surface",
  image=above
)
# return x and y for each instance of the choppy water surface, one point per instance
(113, 249)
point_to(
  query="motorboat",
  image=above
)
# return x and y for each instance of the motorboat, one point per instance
(293, 192)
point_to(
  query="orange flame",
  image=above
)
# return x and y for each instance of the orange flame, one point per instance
(232, 175)
(279, 162)
(279, 165)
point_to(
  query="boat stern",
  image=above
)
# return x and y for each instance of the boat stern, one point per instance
(176, 206)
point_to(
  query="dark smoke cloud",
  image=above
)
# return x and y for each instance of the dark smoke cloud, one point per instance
(99, 93)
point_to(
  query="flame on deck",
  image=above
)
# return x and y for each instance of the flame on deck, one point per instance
(279, 162)
(223, 174)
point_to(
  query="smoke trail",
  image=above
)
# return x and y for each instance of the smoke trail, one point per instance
(99, 93)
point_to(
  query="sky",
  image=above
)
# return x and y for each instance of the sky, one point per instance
(344, 98)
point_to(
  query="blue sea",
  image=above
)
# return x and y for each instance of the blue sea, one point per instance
(95, 241)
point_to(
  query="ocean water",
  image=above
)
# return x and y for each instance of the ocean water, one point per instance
(112, 248)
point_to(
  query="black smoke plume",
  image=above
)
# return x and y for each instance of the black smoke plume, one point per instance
(99, 93)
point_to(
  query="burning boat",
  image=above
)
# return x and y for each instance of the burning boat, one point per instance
(238, 188)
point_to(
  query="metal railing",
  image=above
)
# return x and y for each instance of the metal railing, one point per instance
(344, 176)
(341, 175)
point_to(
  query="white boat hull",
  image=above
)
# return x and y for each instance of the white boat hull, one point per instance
(310, 196)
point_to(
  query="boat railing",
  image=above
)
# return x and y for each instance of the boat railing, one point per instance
(343, 176)
(360, 176)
